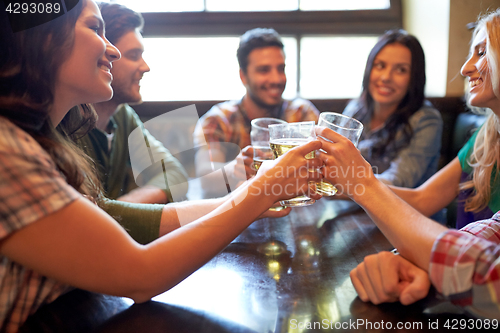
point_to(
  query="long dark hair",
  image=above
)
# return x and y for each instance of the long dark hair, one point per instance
(29, 65)
(414, 98)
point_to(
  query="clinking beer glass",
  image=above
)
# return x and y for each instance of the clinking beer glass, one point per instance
(345, 126)
(259, 136)
(284, 137)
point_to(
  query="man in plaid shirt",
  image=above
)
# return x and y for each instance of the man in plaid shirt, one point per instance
(225, 129)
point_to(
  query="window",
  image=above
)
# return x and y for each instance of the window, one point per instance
(191, 44)
(145, 6)
(333, 67)
(344, 5)
(201, 68)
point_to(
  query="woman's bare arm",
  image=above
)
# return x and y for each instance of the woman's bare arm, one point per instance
(82, 246)
(436, 193)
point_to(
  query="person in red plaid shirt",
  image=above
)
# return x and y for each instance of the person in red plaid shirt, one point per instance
(463, 265)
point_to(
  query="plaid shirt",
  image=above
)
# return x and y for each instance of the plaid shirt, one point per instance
(30, 188)
(228, 122)
(465, 267)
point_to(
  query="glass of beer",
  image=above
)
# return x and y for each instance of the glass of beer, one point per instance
(345, 126)
(259, 136)
(284, 137)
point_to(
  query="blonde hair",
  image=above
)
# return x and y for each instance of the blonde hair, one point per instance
(486, 153)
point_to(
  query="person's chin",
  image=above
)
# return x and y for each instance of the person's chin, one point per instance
(477, 102)
(385, 99)
(275, 101)
(101, 98)
(135, 101)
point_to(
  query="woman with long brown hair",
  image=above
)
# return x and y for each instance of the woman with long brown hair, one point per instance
(402, 131)
(54, 238)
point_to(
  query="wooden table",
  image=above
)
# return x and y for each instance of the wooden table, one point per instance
(244, 290)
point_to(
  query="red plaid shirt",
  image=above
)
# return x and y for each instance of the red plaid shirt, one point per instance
(465, 267)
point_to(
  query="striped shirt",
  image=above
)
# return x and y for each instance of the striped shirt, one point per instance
(30, 188)
(465, 267)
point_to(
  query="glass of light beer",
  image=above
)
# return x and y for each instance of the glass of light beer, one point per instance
(345, 126)
(284, 137)
(259, 136)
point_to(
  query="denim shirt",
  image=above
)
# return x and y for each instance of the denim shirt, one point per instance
(410, 166)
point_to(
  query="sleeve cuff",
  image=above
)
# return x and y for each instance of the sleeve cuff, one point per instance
(141, 221)
(456, 262)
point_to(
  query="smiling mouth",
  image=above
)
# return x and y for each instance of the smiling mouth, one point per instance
(104, 65)
(475, 82)
(274, 90)
(384, 90)
(104, 68)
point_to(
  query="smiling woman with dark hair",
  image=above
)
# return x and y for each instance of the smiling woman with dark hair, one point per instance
(402, 131)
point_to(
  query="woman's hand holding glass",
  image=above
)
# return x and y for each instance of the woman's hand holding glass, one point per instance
(343, 164)
(346, 126)
(290, 174)
(284, 137)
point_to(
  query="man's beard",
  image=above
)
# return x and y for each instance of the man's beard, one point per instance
(270, 108)
(121, 96)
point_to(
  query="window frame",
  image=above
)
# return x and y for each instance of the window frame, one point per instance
(348, 22)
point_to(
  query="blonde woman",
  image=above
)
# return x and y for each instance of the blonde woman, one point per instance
(463, 265)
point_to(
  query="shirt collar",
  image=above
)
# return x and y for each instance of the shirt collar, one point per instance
(278, 112)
